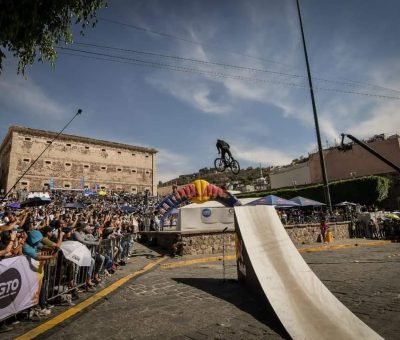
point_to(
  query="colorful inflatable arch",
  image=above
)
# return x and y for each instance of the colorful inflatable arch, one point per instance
(197, 192)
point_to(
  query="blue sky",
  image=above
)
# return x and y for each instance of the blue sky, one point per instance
(235, 70)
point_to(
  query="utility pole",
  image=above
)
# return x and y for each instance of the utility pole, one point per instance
(320, 150)
(33, 163)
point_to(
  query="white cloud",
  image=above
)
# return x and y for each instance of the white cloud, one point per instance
(210, 93)
(327, 126)
(361, 115)
(255, 154)
(170, 165)
(385, 119)
(24, 95)
(192, 90)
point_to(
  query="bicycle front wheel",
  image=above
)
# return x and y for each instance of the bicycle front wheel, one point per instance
(235, 167)
(219, 165)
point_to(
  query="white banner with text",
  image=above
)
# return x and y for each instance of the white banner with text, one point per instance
(20, 284)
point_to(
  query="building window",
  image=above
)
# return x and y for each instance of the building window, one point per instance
(147, 156)
(103, 168)
(68, 164)
(86, 166)
(49, 142)
(147, 172)
(119, 152)
(119, 169)
(26, 160)
(103, 150)
(47, 162)
(67, 185)
(102, 187)
(68, 144)
(133, 189)
(133, 171)
(24, 185)
(86, 147)
(27, 138)
(86, 187)
(133, 154)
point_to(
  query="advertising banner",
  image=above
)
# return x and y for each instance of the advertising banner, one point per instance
(20, 283)
(217, 215)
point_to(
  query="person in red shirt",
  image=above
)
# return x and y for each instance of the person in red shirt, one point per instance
(324, 230)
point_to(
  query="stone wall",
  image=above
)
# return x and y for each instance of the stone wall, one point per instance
(208, 243)
(211, 242)
(309, 233)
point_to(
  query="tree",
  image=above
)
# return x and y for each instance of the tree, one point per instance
(29, 29)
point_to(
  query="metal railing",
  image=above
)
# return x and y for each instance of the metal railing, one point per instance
(62, 276)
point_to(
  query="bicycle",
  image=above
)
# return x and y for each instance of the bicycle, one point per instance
(229, 162)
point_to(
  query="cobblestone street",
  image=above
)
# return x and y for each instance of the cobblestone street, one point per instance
(193, 302)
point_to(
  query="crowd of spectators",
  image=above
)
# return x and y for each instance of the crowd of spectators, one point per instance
(379, 225)
(106, 225)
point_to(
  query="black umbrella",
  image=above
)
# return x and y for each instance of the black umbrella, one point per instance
(74, 205)
(35, 202)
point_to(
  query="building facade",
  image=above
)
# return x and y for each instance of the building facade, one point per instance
(74, 162)
(357, 161)
(292, 175)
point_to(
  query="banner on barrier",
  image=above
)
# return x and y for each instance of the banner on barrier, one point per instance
(20, 284)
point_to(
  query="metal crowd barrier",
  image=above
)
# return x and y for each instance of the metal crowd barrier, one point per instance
(62, 276)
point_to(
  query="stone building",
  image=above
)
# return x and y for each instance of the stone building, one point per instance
(74, 162)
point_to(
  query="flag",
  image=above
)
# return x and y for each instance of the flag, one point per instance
(51, 183)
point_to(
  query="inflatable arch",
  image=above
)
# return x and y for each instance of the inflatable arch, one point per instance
(197, 192)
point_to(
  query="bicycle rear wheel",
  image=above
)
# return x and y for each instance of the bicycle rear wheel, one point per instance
(235, 167)
(219, 165)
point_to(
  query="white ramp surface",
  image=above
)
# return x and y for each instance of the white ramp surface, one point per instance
(306, 308)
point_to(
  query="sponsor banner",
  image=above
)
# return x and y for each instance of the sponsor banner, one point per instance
(217, 215)
(20, 283)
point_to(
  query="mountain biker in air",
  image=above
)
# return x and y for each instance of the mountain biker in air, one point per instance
(223, 149)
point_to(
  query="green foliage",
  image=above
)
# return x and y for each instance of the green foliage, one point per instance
(29, 29)
(364, 190)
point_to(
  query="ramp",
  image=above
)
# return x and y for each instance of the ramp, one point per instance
(267, 258)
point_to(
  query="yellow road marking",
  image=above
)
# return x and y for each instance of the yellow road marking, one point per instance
(301, 250)
(196, 261)
(76, 309)
(342, 246)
